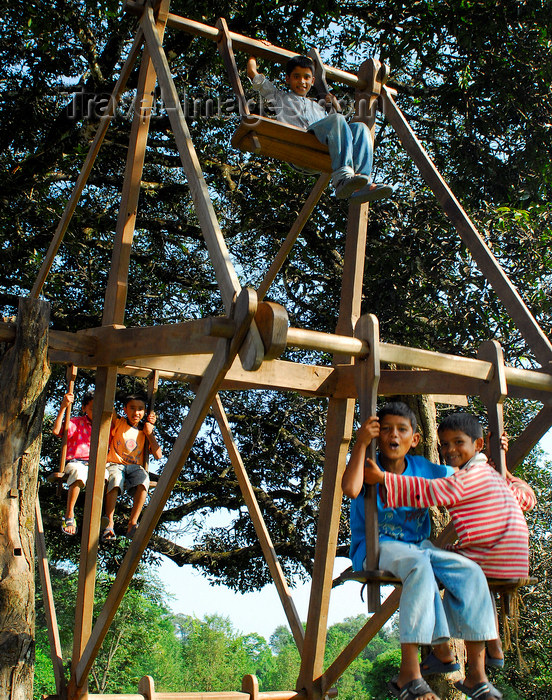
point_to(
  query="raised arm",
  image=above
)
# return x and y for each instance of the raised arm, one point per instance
(353, 477)
(67, 400)
(252, 67)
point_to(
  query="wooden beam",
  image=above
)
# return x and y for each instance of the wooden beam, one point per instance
(116, 345)
(104, 395)
(56, 654)
(480, 251)
(263, 535)
(338, 434)
(295, 230)
(227, 279)
(357, 645)
(250, 46)
(493, 392)
(367, 375)
(105, 120)
(224, 45)
(106, 378)
(115, 297)
(225, 353)
(525, 442)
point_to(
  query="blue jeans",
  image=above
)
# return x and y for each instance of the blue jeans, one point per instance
(350, 145)
(466, 609)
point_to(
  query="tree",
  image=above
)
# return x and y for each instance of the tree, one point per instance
(142, 639)
(473, 79)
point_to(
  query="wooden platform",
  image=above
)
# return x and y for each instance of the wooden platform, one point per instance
(289, 143)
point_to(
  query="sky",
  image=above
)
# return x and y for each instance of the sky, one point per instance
(261, 612)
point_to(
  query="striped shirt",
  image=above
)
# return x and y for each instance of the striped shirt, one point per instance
(486, 512)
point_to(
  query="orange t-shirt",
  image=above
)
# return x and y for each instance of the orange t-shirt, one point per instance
(127, 443)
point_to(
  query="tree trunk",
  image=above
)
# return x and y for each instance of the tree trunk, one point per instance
(24, 371)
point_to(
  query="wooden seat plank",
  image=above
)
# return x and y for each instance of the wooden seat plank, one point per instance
(282, 141)
(386, 577)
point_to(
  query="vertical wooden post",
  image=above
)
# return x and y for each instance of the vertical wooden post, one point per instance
(493, 394)
(106, 378)
(367, 379)
(24, 371)
(339, 427)
(71, 377)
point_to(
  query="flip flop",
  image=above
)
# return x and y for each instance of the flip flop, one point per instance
(481, 691)
(370, 193)
(492, 662)
(410, 691)
(68, 522)
(108, 535)
(431, 664)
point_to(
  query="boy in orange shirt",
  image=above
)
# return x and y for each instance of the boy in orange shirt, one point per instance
(125, 460)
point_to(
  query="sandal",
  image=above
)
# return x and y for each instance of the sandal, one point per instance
(410, 691)
(108, 535)
(480, 691)
(68, 522)
(431, 664)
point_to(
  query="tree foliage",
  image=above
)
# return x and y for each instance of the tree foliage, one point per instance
(472, 77)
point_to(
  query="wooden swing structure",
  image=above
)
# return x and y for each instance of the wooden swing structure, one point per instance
(241, 350)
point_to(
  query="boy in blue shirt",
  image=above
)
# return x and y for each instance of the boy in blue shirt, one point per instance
(350, 145)
(466, 609)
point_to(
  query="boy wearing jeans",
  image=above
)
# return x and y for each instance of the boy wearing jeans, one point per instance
(466, 610)
(485, 508)
(350, 145)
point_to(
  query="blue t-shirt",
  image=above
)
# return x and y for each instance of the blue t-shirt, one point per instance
(406, 524)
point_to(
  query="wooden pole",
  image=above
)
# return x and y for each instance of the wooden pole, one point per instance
(105, 121)
(71, 378)
(24, 372)
(480, 251)
(48, 598)
(244, 312)
(263, 535)
(252, 352)
(493, 393)
(367, 328)
(339, 427)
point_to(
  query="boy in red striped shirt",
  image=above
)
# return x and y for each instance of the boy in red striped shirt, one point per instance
(485, 508)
